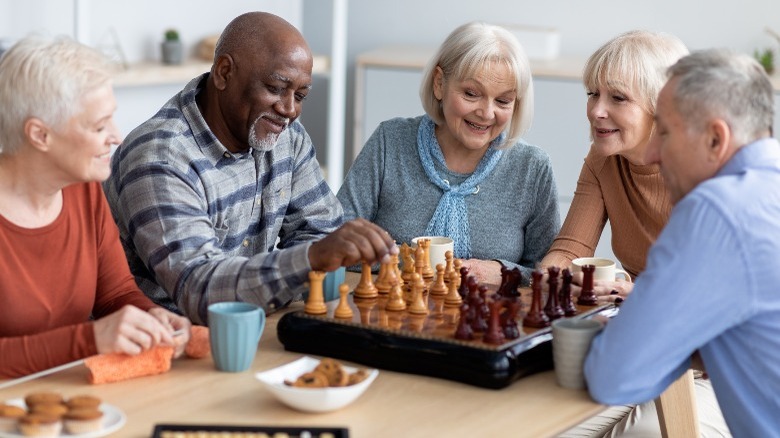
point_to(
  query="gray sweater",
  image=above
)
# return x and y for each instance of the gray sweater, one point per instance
(513, 218)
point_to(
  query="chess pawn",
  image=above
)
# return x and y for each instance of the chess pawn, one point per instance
(366, 288)
(419, 261)
(456, 265)
(569, 309)
(343, 311)
(587, 295)
(536, 317)
(315, 304)
(395, 301)
(494, 334)
(509, 324)
(447, 266)
(464, 331)
(408, 268)
(553, 309)
(382, 284)
(397, 270)
(427, 269)
(453, 298)
(463, 284)
(439, 289)
(418, 306)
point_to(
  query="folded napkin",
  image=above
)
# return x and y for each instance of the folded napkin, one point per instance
(115, 367)
(198, 347)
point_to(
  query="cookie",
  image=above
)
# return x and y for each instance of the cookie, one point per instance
(314, 379)
(357, 377)
(333, 371)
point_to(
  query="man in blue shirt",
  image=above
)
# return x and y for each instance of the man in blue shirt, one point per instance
(219, 196)
(711, 283)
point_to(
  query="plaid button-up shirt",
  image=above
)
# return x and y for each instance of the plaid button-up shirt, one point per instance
(200, 224)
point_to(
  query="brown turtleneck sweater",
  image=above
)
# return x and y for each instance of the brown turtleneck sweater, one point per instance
(633, 198)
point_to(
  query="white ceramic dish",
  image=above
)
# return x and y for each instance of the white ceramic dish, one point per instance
(113, 420)
(311, 399)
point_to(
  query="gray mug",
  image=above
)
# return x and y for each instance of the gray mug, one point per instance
(234, 332)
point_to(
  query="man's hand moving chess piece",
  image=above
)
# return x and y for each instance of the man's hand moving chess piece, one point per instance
(357, 240)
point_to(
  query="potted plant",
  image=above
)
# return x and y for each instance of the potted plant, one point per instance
(172, 48)
(767, 59)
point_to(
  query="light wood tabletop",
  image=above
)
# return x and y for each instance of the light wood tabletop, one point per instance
(396, 404)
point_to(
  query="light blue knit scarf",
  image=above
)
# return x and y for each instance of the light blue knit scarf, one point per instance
(451, 217)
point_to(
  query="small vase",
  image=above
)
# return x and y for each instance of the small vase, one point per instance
(172, 52)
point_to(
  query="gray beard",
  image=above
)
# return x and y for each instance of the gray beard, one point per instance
(264, 144)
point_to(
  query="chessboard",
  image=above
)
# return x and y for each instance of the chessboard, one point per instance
(367, 328)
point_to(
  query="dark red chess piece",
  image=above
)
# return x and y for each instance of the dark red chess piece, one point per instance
(536, 317)
(494, 334)
(463, 289)
(510, 281)
(478, 324)
(509, 318)
(464, 331)
(552, 309)
(569, 309)
(587, 295)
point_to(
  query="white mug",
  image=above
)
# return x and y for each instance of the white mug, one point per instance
(605, 268)
(439, 246)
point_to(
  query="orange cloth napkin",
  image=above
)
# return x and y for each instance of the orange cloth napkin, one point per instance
(199, 346)
(115, 367)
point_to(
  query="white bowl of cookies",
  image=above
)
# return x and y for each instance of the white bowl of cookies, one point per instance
(313, 385)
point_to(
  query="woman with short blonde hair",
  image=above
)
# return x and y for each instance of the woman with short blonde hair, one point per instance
(461, 170)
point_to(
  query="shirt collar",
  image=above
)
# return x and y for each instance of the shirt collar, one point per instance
(764, 152)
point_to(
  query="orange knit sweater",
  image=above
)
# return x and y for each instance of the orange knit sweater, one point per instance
(54, 277)
(633, 198)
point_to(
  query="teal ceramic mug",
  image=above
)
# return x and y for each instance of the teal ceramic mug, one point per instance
(234, 331)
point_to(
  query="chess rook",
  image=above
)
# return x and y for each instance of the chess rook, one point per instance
(587, 295)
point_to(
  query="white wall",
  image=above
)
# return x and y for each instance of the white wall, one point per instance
(139, 24)
(583, 25)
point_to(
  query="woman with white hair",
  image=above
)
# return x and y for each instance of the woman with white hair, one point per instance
(62, 262)
(461, 170)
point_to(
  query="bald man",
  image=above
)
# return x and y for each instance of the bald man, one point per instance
(219, 196)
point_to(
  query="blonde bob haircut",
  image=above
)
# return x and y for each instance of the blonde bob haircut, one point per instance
(474, 48)
(634, 63)
(45, 78)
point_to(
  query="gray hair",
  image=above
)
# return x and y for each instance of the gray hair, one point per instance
(474, 48)
(634, 63)
(728, 85)
(45, 78)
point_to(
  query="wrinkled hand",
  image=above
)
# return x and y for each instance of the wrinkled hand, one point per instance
(487, 272)
(606, 291)
(174, 322)
(130, 330)
(356, 241)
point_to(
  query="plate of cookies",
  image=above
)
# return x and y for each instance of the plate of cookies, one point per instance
(48, 414)
(313, 385)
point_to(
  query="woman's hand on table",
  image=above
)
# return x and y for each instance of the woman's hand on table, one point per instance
(606, 291)
(174, 323)
(130, 330)
(487, 272)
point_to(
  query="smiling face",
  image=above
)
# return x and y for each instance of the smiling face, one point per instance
(476, 110)
(80, 150)
(264, 93)
(618, 123)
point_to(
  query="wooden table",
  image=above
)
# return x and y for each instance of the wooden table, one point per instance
(193, 392)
